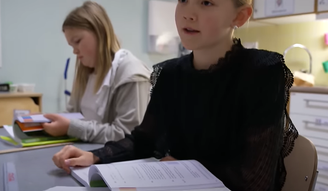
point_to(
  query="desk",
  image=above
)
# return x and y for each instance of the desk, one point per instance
(35, 169)
(23, 101)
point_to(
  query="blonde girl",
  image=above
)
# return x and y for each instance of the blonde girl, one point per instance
(111, 86)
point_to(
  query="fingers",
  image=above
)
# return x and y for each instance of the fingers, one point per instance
(71, 156)
(168, 158)
(61, 158)
(70, 152)
(47, 125)
(52, 117)
(49, 128)
(66, 166)
(75, 162)
(84, 159)
(57, 157)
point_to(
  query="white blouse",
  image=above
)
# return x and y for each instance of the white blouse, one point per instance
(93, 105)
(88, 101)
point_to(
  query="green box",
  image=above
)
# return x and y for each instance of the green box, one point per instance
(325, 66)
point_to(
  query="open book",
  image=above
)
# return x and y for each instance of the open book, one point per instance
(27, 131)
(148, 175)
(82, 173)
(76, 188)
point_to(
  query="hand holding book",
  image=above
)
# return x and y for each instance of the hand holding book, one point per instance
(27, 130)
(58, 125)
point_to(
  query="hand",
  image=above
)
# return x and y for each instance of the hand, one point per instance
(71, 156)
(58, 125)
(168, 158)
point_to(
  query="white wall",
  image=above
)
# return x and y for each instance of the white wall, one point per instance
(34, 49)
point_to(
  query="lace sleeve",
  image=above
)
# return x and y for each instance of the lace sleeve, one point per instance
(141, 142)
(261, 166)
(290, 132)
(266, 144)
(268, 141)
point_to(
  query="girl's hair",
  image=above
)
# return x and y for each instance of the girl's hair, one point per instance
(239, 3)
(93, 17)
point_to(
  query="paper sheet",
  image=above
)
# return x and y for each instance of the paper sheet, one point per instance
(67, 188)
(156, 175)
(9, 130)
(82, 173)
(39, 118)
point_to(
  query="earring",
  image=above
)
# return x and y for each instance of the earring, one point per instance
(235, 27)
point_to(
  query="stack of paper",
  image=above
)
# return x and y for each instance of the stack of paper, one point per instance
(27, 131)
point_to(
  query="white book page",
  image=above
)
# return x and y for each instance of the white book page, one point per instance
(204, 189)
(82, 173)
(10, 130)
(159, 175)
(19, 113)
(71, 188)
(14, 133)
(39, 118)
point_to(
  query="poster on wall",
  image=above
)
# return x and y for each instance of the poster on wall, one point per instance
(322, 5)
(279, 7)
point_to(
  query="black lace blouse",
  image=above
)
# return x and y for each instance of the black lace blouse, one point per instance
(232, 118)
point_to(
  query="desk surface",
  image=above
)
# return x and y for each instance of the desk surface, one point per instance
(35, 169)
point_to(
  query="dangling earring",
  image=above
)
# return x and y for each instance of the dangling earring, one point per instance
(235, 27)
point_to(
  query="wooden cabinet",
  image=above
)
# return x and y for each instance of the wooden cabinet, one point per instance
(322, 5)
(264, 9)
(22, 101)
(309, 113)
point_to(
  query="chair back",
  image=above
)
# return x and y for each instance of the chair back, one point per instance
(301, 166)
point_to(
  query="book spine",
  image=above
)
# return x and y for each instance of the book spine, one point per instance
(41, 139)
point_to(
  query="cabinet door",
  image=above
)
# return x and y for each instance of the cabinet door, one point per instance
(322, 5)
(275, 8)
(309, 104)
(8, 105)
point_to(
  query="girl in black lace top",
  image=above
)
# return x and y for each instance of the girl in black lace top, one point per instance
(228, 113)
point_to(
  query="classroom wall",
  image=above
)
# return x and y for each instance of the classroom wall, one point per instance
(278, 38)
(34, 49)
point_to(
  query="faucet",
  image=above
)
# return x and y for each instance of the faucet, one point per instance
(307, 50)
